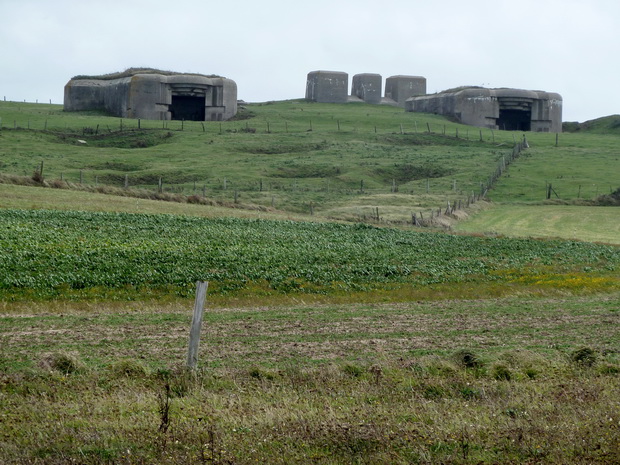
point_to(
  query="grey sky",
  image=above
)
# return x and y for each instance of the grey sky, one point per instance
(269, 46)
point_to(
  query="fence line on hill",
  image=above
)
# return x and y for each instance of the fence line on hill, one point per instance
(224, 184)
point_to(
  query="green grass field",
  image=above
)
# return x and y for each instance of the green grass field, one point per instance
(594, 224)
(334, 161)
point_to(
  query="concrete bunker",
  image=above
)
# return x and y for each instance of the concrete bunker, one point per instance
(154, 94)
(508, 109)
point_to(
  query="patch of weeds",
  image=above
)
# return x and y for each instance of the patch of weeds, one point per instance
(584, 357)
(163, 408)
(469, 392)
(440, 367)
(501, 372)
(128, 368)
(179, 382)
(259, 373)
(514, 412)
(467, 359)
(306, 171)
(63, 362)
(353, 370)
(405, 173)
(433, 391)
(37, 177)
(609, 369)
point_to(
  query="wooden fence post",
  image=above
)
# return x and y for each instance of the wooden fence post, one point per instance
(194, 333)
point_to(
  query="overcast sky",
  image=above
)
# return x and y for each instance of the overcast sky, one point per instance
(268, 46)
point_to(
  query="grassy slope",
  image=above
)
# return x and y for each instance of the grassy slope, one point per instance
(322, 168)
(583, 166)
(28, 197)
(595, 224)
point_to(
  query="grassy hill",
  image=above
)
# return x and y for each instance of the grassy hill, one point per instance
(334, 161)
(605, 125)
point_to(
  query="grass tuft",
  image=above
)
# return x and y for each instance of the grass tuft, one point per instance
(63, 362)
(502, 372)
(584, 357)
(129, 368)
(467, 359)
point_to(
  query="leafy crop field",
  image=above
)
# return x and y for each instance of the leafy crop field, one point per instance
(60, 254)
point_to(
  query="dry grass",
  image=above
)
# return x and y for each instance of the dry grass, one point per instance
(374, 383)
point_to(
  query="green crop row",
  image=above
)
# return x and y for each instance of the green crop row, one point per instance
(48, 252)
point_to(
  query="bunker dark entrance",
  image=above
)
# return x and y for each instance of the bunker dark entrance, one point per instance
(515, 120)
(185, 107)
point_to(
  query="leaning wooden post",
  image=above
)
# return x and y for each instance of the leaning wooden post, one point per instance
(194, 333)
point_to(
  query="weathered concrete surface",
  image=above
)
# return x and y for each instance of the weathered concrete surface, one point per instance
(511, 109)
(400, 88)
(327, 86)
(156, 96)
(367, 86)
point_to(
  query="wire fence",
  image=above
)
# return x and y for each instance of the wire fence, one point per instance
(458, 195)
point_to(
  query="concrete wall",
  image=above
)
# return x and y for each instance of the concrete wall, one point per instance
(367, 87)
(482, 107)
(149, 96)
(327, 86)
(400, 88)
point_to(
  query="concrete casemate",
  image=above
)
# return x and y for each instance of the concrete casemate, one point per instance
(509, 109)
(153, 94)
